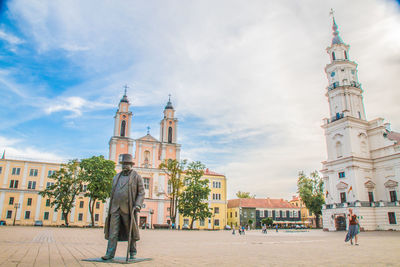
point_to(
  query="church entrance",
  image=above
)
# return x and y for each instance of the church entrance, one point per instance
(142, 221)
(340, 222)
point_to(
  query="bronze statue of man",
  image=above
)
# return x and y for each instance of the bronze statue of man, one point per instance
(126, 200)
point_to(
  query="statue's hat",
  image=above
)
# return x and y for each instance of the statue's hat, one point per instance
(125, 158)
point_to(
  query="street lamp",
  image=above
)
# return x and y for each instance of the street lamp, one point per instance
(16, 206)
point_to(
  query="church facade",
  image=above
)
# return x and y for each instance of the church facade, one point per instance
(362, 170)
(148, 154)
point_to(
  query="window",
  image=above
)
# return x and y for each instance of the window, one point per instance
(342, 175)
(345, 54)
(32, 185)
(283, 214)
(169, 134)
(62, 216)
(216, 184)
(235, 213)
(9, 214)
(50, 173)
(16, 171)
(277, 214)
(216, 210)
(81, 203)
(146, 182)
(123, 125)
(309, 213)
(13, 183)
(80, 216)
(27, 214)
(339, 150)
(96, 217)
(216, 222)
(392, 218)
(202, 222)
(11, 201)
(216, 196)
(290, 214)
(342, 197)
(46, 215)
(231, 214)
(185, 221)
(1, 169)
(33, 172)
(169, 188)
(295, 213)
(393, 196)
(333, 56)
(84, 189)
(97, 205)
(29, 203)
(371, 196)
(47, 202)
(265, 213)
(359, 115)
(49, 184)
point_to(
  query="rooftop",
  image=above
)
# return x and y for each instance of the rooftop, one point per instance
(260, 203)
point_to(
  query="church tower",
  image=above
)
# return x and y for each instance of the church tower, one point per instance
(121, 142)
(168, 133)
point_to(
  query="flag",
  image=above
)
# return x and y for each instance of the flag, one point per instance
(4, 154)
(350, 189)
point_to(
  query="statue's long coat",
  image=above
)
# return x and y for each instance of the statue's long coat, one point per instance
(136, 196)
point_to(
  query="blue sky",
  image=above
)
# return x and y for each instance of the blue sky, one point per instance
(247, 80)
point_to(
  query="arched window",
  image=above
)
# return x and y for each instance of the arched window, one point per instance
(338, 149)
(345, 54)
(170, 135)
(123, 124)
(333, 56)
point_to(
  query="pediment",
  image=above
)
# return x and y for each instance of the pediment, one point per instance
(342, 186)
(391, 183)
(149, 138)
(337, 136)
(369, 184)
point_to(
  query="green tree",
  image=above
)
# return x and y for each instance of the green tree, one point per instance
(68, 184)
(98, 173)
(267, 221)
(193, 199)
(174, 170)
(241, 194)
(250, 222)
(311, 191)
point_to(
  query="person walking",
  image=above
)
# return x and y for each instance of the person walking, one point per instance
(353, 228)
(233, 230)
(276, 227)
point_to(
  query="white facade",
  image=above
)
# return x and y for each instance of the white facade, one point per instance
(362, 170)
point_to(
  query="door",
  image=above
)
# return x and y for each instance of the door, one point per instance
(340, 223)
(142, 221)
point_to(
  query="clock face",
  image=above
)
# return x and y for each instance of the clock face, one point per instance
(332, 73)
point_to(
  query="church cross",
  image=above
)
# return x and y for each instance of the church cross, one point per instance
(148, 129)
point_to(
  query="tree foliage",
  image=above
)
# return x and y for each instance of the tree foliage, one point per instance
(241, 194)
(311, 191)
(174, 170)
(98, 173)
(193, 199)
(267, 221)
(68, 184)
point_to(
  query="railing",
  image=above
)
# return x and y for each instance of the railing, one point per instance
(336, 85)
(339, 205)
(391, 204)
(337, 117)
(363, 204)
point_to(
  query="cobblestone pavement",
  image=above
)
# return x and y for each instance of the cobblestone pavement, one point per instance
(42, 246)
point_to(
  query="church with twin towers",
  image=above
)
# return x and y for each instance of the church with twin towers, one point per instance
(148, 153)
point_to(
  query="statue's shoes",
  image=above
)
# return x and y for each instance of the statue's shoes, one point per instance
(132, 255)
(107, 257)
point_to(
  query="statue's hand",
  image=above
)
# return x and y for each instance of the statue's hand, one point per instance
(138, 208)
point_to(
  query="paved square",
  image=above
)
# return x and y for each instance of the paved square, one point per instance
(42, 246)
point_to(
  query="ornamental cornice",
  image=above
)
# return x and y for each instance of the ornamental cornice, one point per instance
(391, 184)
(369, 185)
(342, 186)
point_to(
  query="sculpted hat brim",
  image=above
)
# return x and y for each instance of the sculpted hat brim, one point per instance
(126, 158)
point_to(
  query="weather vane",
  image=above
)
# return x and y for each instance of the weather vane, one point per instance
(332, 13)
(148, 129)
(169, 97)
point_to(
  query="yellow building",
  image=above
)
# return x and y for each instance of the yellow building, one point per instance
(307, 218)
(217, 202)
(22, 180)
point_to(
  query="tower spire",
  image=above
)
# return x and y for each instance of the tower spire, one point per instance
(336, 38)
(125, 97)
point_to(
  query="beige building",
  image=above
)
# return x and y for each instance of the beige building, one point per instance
(307, 218)
(21, 181)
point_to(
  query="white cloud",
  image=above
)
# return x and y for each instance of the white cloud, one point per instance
(11, 39)
(252, 73)
(15, 149)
